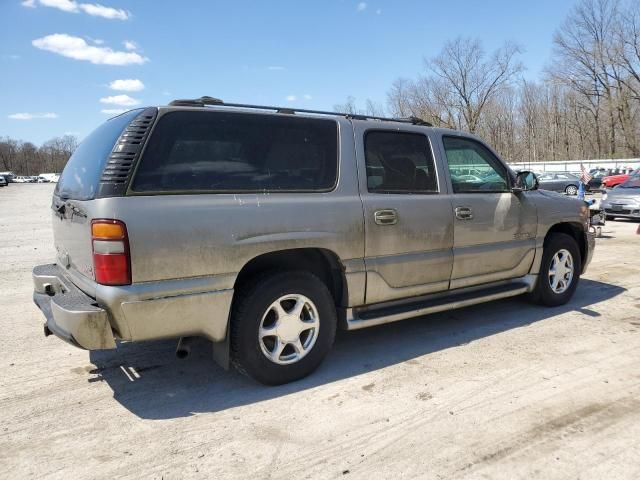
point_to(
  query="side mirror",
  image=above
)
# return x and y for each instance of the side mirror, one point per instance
(525, 181)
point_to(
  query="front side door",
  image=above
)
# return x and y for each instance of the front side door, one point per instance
(494, 229)
(408, 226)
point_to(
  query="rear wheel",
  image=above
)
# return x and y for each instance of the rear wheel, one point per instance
(571, 190)
(283, 326)
(559, 271)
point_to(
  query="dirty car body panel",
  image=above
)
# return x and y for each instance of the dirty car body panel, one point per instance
(391, 221)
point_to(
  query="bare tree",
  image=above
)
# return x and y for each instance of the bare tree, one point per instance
(463, 81)
(25, 158)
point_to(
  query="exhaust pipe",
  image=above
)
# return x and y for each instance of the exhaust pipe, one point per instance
(184, 347)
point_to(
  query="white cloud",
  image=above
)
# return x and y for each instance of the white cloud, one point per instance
(71, 6)
(64, 5)
(97, 10)
(78, 49)
(113, 111)
(127, 85)
(378, 11)
(291, 98)
(122, 100)
(129, 45)
(275, 68)
(306, 96)
(362, 6)
(32, 116)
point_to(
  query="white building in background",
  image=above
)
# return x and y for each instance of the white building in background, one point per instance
(574, 165)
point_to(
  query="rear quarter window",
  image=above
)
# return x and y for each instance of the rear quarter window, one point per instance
(238, 152)
(81, 175)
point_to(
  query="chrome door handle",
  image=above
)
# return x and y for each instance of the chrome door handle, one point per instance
(387, 216)
(463, 213)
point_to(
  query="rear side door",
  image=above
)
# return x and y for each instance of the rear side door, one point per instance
(407, 214)
(494, 228)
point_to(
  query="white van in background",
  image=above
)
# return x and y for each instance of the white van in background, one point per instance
(48, 177)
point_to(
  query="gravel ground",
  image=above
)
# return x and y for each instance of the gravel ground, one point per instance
(502, 390)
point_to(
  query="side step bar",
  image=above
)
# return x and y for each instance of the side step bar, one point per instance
(370, 316)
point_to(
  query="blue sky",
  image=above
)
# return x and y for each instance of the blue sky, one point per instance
(310, 54)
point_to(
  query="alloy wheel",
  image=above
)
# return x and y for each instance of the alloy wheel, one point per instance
(289, 329)
(561, 271)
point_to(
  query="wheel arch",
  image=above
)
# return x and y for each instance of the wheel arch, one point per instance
(323, 263)
(574, 230)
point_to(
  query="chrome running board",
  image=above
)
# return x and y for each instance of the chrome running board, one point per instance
(363, 317)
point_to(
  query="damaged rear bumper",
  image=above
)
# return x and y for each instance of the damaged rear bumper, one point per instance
(70, 314)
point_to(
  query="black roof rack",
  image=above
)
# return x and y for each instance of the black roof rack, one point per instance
(210, 101)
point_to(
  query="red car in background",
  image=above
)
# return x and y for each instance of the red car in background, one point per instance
(615, 180)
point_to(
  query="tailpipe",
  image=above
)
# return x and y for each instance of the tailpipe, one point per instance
(184, 347)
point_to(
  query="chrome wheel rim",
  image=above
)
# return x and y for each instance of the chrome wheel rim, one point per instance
(561, 271)
(571, 190)
(289, 329)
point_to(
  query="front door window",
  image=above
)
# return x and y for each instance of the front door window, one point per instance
(473, 168)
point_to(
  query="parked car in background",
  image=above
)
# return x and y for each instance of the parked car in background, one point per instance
(563, 182)
(612, 181)
(49, 177)
(3, 181)
(8, 176)
(624, 200)
(264, 229)
(596, 179)
(22, 179)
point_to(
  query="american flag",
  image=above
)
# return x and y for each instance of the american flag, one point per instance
(585, 176)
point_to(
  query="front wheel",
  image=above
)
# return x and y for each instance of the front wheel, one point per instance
(571, 190)
(559, 271)
(282, 327)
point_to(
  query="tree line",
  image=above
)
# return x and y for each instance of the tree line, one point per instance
(25, 158)
(586, 105)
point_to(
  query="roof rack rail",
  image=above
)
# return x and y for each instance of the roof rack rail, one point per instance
(211, 101)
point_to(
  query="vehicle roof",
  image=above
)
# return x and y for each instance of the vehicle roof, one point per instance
(410, 123)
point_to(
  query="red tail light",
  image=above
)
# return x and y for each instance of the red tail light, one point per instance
(111, 260)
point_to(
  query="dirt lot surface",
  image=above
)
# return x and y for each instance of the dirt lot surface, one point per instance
(503, 390)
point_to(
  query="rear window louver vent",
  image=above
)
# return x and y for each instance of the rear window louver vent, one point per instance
(122, 160)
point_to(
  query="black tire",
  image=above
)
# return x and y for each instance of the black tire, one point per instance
(543, 293)
(609, 218)
(249, 307)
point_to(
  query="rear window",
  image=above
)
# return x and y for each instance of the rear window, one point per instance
(81, 175)
(238, 152)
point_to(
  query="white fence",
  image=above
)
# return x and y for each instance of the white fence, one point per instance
(574, 165)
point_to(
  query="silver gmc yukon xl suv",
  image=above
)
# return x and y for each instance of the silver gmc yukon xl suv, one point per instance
(265, 229)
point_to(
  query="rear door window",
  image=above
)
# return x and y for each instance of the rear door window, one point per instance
(238, 152)
(81, 175)
(399, 162)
